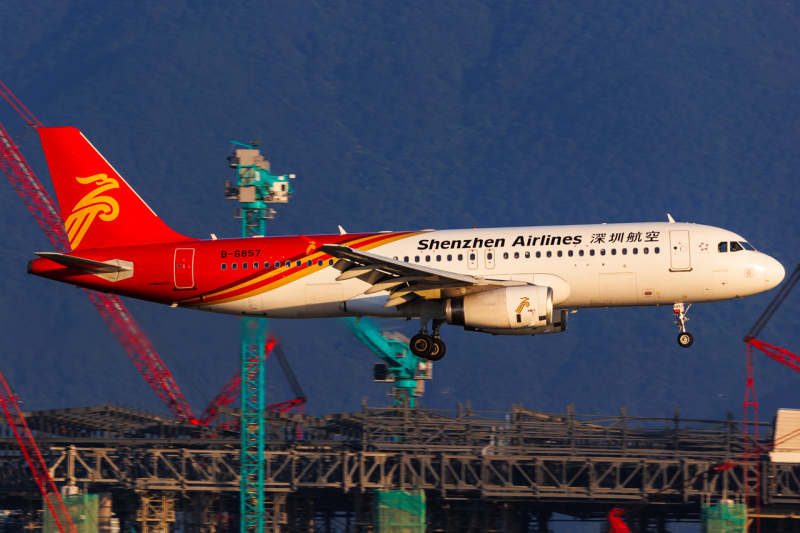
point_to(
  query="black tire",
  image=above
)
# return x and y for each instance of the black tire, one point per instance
(421, 345)
(439, 349)
(685, 339)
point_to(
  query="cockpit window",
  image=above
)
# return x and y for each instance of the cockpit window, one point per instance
(736, 247)
(723, 247)
(747, 246)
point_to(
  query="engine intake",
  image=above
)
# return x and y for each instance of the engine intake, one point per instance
(527, 306)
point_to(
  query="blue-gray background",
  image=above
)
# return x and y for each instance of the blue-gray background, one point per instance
(410, 115)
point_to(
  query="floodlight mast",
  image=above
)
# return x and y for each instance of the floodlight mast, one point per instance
(256, 187)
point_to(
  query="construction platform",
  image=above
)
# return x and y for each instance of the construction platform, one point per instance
(481, 471)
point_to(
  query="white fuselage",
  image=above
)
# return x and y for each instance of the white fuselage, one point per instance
(605, 265)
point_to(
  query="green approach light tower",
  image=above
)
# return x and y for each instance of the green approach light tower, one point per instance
(256, 187)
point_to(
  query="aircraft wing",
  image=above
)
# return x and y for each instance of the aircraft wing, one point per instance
(404, 281)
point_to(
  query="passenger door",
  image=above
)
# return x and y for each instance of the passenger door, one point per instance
(184, 268)
(679, 253)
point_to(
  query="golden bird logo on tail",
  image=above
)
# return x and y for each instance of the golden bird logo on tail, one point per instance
(91, 206)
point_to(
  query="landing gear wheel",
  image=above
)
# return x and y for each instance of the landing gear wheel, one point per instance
(439, 349)
(421, 345)
(685, 339)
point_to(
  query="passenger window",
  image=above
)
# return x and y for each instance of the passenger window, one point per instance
(427, 259)
(580, 253)
(416, 259)
(569, 253)
(472, 257)
(591, 252)
(405, 259)
(298, 264)
(489, 256)
(624, 251)
(266, 265)
(460, 257)
(549, 253)
(505, 255)
(244, 266)
(656, 250)
(516, 255)
(255, 266)
(736, 247)
(330, 262)
(646, 250)
(438, 258)
(224, 266)
(560, 253)
(234, 266)
(613, 251)
(319, 263)
(603, 251)
(449, 257)
(635, 251)
(723, 247)
(527, 255)
(288, 264)
(538, 255)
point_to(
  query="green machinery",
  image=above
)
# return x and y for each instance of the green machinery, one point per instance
(255, 189)
(403, 369)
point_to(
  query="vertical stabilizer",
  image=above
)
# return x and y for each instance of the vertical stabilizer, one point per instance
(99, 208)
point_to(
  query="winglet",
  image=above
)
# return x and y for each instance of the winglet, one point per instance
(342, 231)
(671, 220)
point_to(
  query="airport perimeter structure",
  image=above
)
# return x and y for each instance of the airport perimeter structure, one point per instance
(481, 471)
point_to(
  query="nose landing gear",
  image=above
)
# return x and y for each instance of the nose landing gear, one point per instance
(428, 346)
(685, 338)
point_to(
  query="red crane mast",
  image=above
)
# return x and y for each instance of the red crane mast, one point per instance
(33, 456)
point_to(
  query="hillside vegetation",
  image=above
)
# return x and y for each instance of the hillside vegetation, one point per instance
(418, 115)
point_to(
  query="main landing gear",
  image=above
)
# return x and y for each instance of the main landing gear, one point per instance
(685, 338)
(428, 346)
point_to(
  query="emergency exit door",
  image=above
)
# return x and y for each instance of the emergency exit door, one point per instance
(184, 268)
(679, 253)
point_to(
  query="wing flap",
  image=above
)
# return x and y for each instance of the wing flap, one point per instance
(404, 281)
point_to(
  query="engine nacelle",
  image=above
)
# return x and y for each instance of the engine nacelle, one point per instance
(559, 325)
(509, 308)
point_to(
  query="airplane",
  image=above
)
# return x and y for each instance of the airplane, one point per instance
(500, 281)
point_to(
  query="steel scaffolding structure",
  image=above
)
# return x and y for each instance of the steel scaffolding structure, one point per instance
(517, 467)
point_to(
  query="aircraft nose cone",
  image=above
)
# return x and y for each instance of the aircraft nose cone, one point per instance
(773, 273)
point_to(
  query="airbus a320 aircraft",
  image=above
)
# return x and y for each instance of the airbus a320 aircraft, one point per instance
(502, 281)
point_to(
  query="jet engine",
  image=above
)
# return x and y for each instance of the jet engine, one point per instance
(507, 308)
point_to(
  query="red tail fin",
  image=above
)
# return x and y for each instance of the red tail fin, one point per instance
(99, 208)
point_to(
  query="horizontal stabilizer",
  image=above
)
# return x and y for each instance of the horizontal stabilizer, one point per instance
(95, 267)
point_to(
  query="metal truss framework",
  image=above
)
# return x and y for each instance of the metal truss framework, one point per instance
(530, 461)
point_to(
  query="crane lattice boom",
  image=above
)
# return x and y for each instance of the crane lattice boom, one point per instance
(114, 313)
(30, 451)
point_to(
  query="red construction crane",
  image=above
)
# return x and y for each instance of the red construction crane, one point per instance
(231, 390)
(114, 313)
(8, 402)
(111, 309)
(615, 522)
(779, 354)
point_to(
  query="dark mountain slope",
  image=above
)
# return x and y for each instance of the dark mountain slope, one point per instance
(413, 116)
